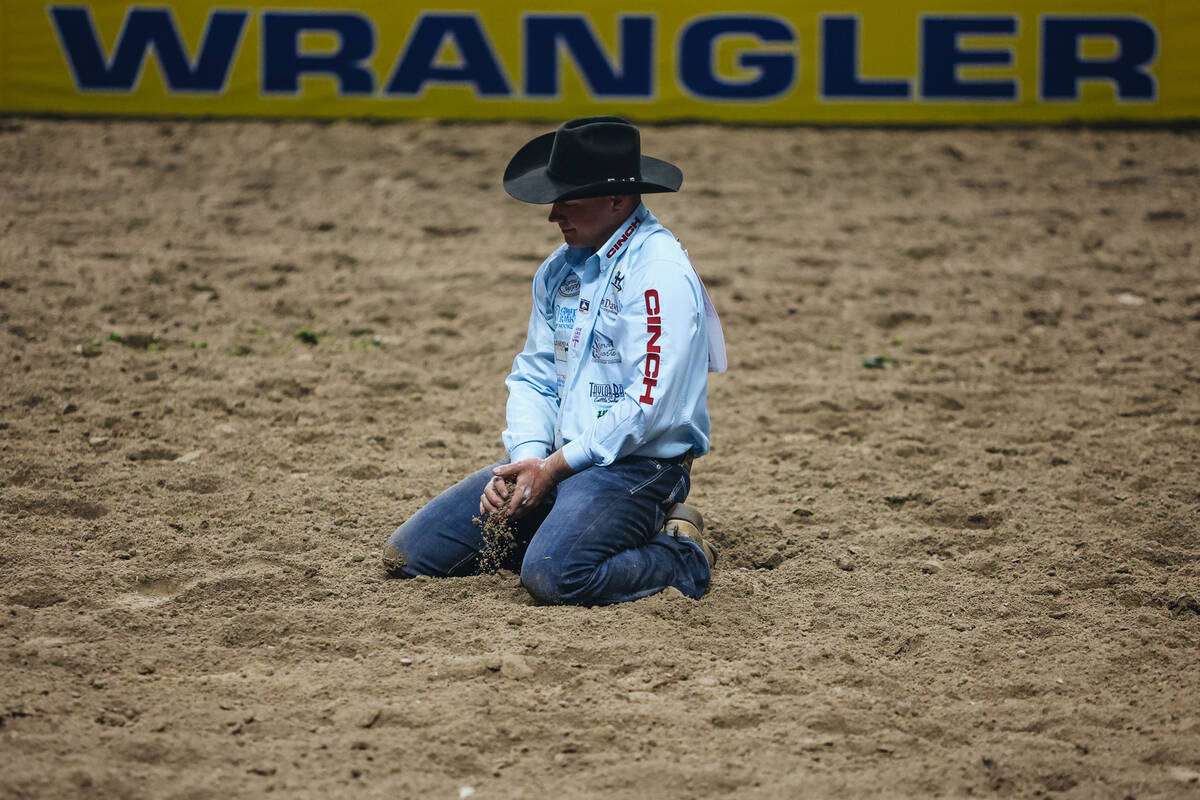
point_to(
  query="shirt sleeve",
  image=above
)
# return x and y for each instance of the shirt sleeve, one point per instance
(532, 407)
(662, 315)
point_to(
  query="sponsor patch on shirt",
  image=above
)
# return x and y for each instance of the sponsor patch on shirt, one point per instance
(566, 318)
(606, 392)
(610, 306)
(612, 251)
(653, 363)
(560, 349)
(584, 305)
(617, 280)
(604, 351)
(570, 286)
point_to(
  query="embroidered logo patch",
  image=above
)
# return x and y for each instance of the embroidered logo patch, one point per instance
(604, 351)
(570, 286)
(606, 392)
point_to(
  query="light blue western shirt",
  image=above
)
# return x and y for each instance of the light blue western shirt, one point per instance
(616, 358)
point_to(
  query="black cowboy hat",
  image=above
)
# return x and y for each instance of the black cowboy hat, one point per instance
(590, 157)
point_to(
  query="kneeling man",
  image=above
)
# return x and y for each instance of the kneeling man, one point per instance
(607, 403)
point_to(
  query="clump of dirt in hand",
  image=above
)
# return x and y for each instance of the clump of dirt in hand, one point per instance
(499, 535)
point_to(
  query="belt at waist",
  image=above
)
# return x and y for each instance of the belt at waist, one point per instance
(685, 460)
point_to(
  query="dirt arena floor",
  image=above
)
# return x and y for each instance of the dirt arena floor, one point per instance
(954, 477)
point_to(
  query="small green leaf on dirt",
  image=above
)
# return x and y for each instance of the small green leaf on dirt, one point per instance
(116, 337)
(876, 362)
(199, 345)
(239, 350)
(364, 331)
(307, 336)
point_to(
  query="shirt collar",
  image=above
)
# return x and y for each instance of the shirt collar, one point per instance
(616, 244)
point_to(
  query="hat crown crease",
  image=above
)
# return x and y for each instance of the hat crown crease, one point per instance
(595, 151)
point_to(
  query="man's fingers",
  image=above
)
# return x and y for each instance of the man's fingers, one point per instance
(491, 497)
(497, 485)
(495, 496)
(522, 499)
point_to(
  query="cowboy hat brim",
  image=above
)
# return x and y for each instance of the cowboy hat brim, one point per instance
(527, 178)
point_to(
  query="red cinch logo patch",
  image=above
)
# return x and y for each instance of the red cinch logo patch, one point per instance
(624, 238)
(654, 328)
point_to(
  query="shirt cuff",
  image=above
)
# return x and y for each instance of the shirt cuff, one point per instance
(576, 455)
(528, 450)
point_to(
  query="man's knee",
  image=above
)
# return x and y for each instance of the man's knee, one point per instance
(394, 559)
(395, 555)
(547, 582)
(407, 555)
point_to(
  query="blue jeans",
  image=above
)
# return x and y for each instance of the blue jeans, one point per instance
(596, 539)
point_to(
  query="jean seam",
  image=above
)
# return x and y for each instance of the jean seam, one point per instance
(657, 474)
(674, 492)
(473, 557)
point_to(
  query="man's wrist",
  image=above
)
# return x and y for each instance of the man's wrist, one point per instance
(556, 467)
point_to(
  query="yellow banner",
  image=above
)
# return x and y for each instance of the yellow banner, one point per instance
(883, 61)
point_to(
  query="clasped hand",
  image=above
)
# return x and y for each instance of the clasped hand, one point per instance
(534, 478)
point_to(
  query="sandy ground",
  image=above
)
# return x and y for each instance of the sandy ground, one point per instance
(971, 571)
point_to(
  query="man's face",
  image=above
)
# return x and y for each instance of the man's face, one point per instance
(588, 222)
